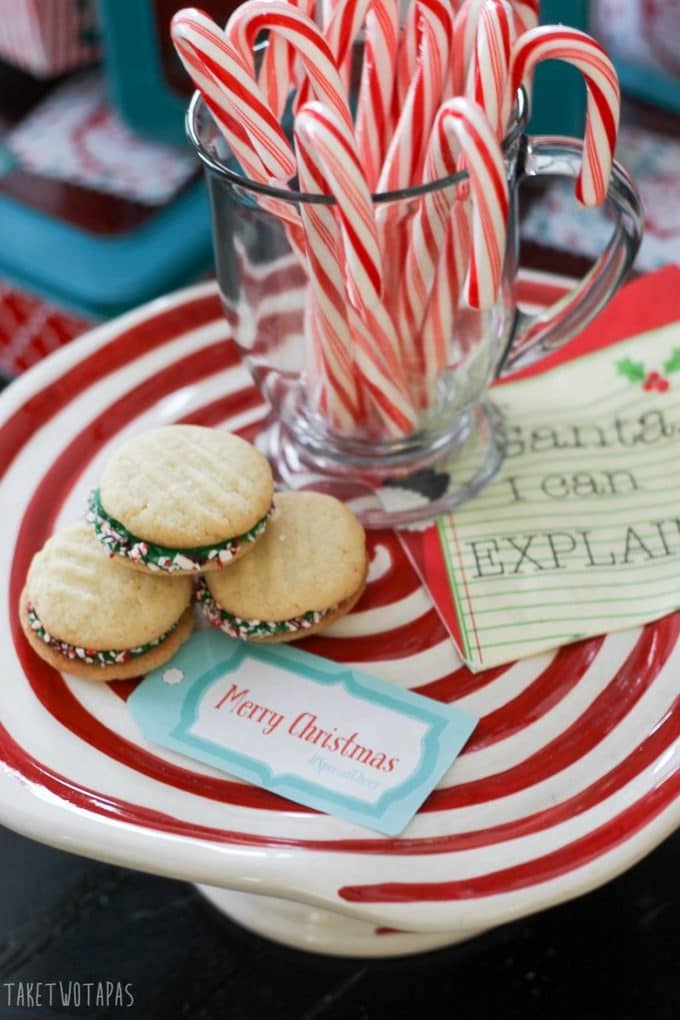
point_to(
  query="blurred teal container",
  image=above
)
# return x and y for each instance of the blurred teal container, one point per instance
(559, 97)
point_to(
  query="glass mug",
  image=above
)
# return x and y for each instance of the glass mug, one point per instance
(459, 436)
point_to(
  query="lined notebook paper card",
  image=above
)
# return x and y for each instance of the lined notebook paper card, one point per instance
(580, 533)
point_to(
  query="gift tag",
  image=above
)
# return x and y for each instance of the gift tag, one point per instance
(317, 732)
(578, 535)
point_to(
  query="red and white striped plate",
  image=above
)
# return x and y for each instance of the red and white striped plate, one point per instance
(572, 774)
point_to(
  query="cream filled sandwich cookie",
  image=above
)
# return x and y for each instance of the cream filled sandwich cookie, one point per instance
(87, 615)
(307, 571)
(182, 499)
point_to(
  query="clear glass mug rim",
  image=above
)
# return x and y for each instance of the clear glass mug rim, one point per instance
(197, 106)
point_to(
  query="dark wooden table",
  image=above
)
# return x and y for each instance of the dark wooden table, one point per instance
(611, 955)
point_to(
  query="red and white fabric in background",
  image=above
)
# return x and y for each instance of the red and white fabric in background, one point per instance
(75, 135)
(31, 328)
(47, 37)
(646, 32)
(654, 161)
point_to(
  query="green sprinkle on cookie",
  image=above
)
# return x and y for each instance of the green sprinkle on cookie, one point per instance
(91, 656)
(121, 542)
(237, 627)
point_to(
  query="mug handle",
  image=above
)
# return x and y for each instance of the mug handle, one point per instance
(534, 336)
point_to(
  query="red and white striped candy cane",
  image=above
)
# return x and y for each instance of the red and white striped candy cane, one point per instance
(277, 72)
(428, 233)
(437, 339)
(464, 36)
(275, 76)
(218, 101)
(462, 133)
(374, 106)
(327, 8)
(204, 49)
(409, 48)
(342, 29)
(326, 143)
(302, 34)
(407, 58)
(441, 249)
(604, 97)
(214, 96)
(490, 65)
(374, 118)
(241, 146)
(526, 14)
(386, 397)
(332, 338)
(404, 159)
(340, 405)
(405, 155)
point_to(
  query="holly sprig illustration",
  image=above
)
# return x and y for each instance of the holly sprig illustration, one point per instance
(673, 363)
(634, 371)
(637, 373)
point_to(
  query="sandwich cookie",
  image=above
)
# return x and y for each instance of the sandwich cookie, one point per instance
(182, 499)
(307, 571)
(87, 615)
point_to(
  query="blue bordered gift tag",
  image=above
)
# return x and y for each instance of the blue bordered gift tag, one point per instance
(314, 731)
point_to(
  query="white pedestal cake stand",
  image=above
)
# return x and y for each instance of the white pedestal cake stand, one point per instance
(572, 775)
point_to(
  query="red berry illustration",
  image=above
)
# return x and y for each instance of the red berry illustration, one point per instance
(636, 372)
(655, 381)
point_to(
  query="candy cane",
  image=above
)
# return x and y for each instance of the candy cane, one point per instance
(405, 154)
(439, 252)
(327, 8)
(407, 58)
(438, 329)
(374, 105)
(426, 242)
(327, 144)
(408, 53)
(331, 332)
(604, 97)
(464, 36)
(526, 14)
(214, 96)
(302, 34)
(342, 29)
(277, 71)
(275, 77)
(490, 66)
(218, 101)
(374, 122)
(462, 133)
(203, 47)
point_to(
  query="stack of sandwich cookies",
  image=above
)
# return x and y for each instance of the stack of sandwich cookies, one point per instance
(307, 571)
(176, 502)
(87, 615)
(182, 500)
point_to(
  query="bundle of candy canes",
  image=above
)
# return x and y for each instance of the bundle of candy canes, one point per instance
(435, 97)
